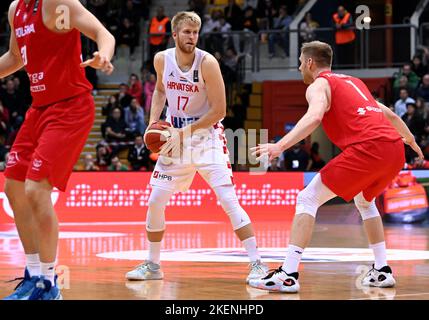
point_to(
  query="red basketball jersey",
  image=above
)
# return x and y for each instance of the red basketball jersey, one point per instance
(52, 60)
(354, 115)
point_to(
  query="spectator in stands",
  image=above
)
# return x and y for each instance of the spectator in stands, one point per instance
(296, 158)
(422, 107)
(344, 36)
(423, 89)
(104, 155)
(266, 12)
(13, 102)
(414, 121)
(111, 104)
(403, 84)
(316, 162)
(281, 23)
(136, 88)
(131, 12)
(274, 166)
(250, 23)
(401, 104)
(88, 164)
(159, 24)
(128, 36)
(307, 27)
(138, 155)
(234, 16)
(224, 38)
(116, 127)
(149, 88)
(117, 165)
(198, 6)
(407, 71)
(4, 120)
(123, 97)
(134, 118)
(419, 69)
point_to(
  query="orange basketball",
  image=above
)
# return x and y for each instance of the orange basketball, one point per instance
(155, 136)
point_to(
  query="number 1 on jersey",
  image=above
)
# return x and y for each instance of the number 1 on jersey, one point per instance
(357, 89)
(179, 102)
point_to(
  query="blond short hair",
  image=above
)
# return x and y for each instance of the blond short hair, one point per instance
(320, 52)
(185, 16)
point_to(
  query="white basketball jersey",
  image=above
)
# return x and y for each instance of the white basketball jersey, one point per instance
(185, 91)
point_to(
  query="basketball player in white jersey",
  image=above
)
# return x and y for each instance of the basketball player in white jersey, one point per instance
(191, 81)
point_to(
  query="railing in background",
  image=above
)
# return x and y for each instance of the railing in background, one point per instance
(378, 47)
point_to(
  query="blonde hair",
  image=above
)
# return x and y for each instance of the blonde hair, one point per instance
(320, 52)
(185, 16)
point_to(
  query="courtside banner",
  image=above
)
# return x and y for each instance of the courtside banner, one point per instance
(123, 196)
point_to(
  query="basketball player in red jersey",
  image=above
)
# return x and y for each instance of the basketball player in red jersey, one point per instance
(45, 40)
(371, 138)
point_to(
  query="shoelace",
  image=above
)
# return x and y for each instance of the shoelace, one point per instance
(16, 279)
(256, 265)
(273, 272)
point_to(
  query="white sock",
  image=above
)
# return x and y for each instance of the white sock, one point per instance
(155, 252)
(48, 271)
(293, 258)
(251, 248)
(33, 264)
(379, 250)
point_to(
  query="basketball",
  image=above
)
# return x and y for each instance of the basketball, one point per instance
(156, 136)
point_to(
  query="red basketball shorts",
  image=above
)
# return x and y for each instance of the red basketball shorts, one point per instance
(366, 167)
(50, 141)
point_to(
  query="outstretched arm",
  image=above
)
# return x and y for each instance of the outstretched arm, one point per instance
(11, 61)
(402, 129)
(318, 103)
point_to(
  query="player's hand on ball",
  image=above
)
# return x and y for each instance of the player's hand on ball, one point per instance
(173, 146)
(270, 150)
(99, 62)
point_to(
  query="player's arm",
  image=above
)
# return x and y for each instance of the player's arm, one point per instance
(402, 129)
(318, 104)
(159, 97)
(215, 94)
(11, 61)
(84, 21)
(318, 97)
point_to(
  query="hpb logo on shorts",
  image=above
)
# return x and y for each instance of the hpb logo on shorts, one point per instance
(12, 159)
(37, 164)
(160, 176)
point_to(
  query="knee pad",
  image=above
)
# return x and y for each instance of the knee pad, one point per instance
(366, 209)
(155, 218)
(230, 204)
(306, 203)
(313, 196)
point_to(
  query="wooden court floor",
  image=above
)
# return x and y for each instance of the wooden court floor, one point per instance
(205, 260)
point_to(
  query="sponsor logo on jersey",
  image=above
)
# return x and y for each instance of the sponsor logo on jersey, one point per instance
(179, 122)
(25, 31)
(171, 74)
(160, 176)
(172, 85)
(361, 111)
(38, 88)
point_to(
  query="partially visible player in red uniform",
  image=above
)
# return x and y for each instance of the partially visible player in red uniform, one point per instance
(371, 138)
(45, 40)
